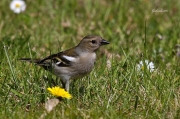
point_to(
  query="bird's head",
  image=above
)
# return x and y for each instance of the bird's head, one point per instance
(92, 43)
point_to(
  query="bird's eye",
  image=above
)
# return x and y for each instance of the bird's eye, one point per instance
(93, 41)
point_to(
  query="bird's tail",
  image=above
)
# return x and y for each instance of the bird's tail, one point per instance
(36, 61)
(46, 65)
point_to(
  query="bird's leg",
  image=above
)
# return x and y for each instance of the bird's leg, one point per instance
(65, 84)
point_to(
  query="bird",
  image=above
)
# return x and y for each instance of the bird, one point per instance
(73, 63)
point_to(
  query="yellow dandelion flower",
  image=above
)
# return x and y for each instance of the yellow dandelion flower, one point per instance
(59, 92)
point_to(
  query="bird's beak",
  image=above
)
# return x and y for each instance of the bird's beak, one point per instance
(104, 42)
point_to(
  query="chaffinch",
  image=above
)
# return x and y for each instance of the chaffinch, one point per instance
(73, 63)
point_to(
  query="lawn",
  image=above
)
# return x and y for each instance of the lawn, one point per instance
(138, 31)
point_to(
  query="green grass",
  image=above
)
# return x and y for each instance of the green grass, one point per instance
(51, 26)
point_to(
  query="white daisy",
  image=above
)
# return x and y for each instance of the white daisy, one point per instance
(149, 66)
(18, 6)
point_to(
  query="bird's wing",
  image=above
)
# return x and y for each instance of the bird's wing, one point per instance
(61, 59)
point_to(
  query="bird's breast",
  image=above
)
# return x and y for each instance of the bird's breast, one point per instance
(86, 63)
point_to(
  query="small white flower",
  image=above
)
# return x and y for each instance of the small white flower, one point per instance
(18, 6)
(149, 66)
